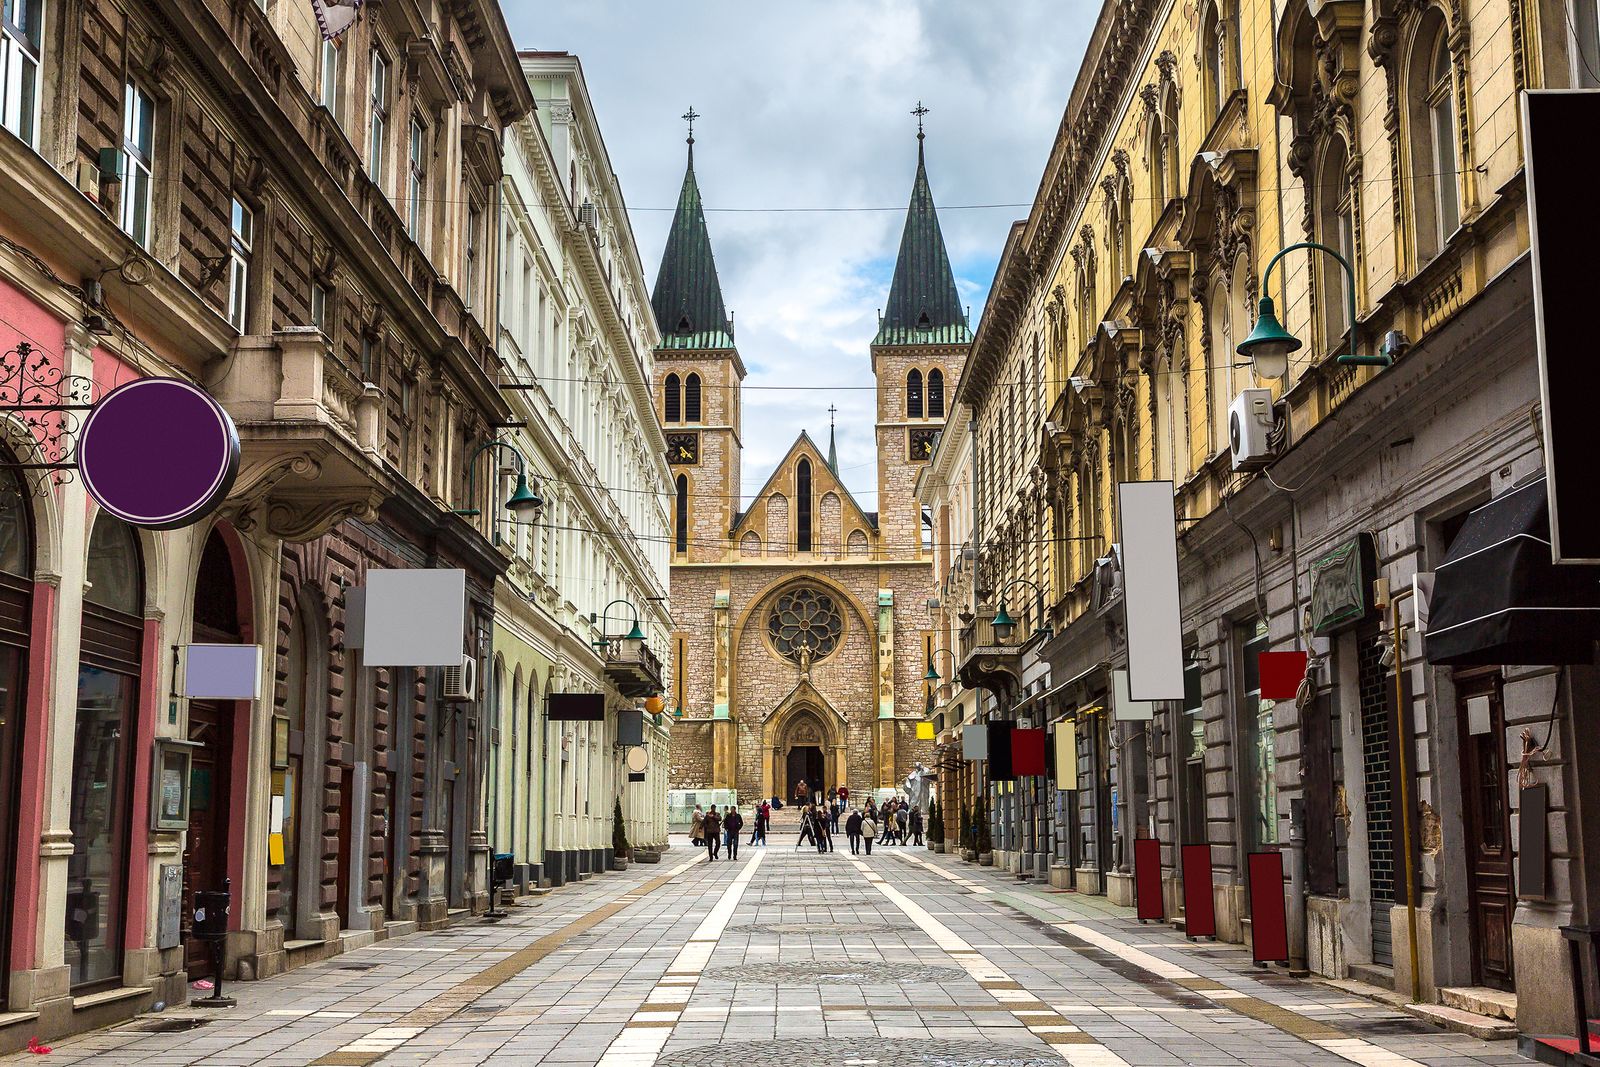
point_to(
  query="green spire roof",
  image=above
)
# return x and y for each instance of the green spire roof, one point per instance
(924, 306)
(688, 299)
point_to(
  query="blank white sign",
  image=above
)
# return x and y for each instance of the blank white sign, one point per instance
(1150, 590)
(222, 672)
(415, 618)
(974, 742)
(1123, 705)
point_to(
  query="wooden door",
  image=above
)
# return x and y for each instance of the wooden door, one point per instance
(1491, 891)
(205, 855)
(347, 844)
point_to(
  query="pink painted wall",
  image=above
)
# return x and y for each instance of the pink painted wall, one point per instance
(35, 759)
(144, 732)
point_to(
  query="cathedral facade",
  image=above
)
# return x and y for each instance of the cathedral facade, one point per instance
(801, 618)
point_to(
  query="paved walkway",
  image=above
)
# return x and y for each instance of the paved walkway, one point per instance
(786, 958)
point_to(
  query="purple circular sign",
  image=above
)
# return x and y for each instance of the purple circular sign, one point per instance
(158, 452)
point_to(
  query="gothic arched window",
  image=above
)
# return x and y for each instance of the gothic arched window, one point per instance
(1431, 92)
(802, 506)
(674, 401)
(691, 398)
(680, 516)
(914, 395)
(936, 394)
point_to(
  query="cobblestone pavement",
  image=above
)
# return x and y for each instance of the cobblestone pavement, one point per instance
(786, 958)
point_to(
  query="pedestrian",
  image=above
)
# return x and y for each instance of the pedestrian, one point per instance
(869, 826)
(888, 823)
(834, 808)
(755, 821)
(916, 826)
(731, 826)
(800, 792)
(824, 838)
(697, 826)
(844, 796)
(807, 828)
(763, 820)
(713, 832)
(852, 829)
(902, 820)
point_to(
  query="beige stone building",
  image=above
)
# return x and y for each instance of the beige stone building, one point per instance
(802, 629)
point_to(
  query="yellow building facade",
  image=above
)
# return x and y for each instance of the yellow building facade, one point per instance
(1200, 140)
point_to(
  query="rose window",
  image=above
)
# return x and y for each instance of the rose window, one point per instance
(805, 619)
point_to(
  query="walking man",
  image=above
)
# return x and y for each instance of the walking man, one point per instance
(713, 832)
(852, 829)
(869, 826)
(916, 826)
(763, 818)
(807, 828)
(901, 822)
(824, 838)
(731, 826)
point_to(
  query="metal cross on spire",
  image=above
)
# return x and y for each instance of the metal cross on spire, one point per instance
(832, 411)
(919, 111)
(689, 117)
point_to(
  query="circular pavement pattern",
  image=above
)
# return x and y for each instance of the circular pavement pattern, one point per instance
(859, 1052)
(830, 971)
(820, 928)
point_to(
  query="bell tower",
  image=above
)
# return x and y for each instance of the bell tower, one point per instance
(698, 374)
(917, 357)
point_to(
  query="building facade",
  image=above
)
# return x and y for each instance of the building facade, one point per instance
(801, 621)
(215, 193)
(577, 340)
(1195, 146)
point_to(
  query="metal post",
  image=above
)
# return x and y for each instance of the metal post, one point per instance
(1403, 736)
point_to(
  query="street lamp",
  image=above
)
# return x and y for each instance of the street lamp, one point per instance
(932, 678)
(523, 502)
(633, 642)
(1269, 345)
(1005, 625)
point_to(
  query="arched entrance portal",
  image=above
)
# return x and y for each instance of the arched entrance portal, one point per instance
(803, 740)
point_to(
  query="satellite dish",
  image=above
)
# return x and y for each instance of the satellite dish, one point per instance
(638, 759)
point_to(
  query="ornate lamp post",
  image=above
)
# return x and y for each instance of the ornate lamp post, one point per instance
(1269, 345)
(1005, 625)
(523, 502)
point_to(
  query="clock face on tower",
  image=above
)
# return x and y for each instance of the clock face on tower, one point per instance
(921, 442)
(683, 448)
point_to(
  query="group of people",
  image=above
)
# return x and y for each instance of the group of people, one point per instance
(897, 822)
(716, 831)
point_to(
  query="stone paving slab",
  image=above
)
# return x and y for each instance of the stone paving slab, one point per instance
(788, 958)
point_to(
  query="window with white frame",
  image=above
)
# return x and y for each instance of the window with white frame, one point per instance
(138, 153)
(416, 178)
(378, 130)
(328, 81)
(469, 256)
(21, 50)
(240, 248)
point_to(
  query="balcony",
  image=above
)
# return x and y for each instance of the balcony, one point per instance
(635, 670)
(984, 662)
(309, 435)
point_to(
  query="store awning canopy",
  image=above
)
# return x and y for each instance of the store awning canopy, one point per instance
(1498, 599)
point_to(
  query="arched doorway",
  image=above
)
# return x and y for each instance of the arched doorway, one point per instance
(16, 608)
(219, 618)
(804, 742)
(110, 665)
(804, 764)
(297, 878)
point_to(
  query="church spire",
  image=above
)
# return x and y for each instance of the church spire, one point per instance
(833, 453)
(924, 306)
(687, 299)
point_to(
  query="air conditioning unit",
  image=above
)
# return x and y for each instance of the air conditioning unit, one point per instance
(588, 216)
(1250, 423)
(460, 683)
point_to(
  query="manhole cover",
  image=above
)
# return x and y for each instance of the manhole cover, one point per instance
(355, 966)
(820, 928)
(171, 1025)
(859, 1052)
(1389, 1027)
(825, 971)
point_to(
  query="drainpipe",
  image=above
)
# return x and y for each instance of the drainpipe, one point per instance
(1299, 875)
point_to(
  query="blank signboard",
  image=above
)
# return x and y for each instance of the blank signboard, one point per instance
(1150, 590)
(415, 618)
(222, 672)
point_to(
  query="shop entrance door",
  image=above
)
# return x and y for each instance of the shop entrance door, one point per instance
(1491, 895)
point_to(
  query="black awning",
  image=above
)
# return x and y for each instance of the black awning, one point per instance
(1498, 599)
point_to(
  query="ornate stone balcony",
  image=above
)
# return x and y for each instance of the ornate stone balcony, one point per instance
(309, 432)
(635, 673)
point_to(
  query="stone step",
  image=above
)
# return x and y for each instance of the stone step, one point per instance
(1482, 1027)
(1373, 974)
(1481, 1000)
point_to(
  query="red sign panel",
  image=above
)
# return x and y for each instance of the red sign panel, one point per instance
(1027, 752)
(1147, 879)
(1269, 927)
(1199, 905)
(1281, 674)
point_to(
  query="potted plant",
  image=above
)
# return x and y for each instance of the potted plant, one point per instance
(935, 827)
(619, 839)
(980, 817)
(968, 852)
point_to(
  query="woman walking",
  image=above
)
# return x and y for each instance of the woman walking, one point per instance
(808, 828)
(869, 826)
(713, 832)
(697, 827)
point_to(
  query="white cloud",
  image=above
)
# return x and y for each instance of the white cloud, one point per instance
(807, 105)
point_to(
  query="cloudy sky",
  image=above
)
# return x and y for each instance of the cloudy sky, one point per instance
(806, 105)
